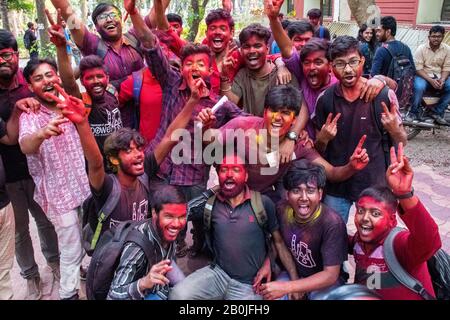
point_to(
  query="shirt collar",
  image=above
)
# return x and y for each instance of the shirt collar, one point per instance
(429, 47)
(247, 195)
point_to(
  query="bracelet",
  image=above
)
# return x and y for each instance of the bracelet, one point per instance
(405, 195)
(226, 90)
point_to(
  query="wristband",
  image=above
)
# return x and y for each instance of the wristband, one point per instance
(405, 195)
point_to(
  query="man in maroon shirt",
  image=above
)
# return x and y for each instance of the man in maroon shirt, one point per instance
(375, 217)
(19, 185)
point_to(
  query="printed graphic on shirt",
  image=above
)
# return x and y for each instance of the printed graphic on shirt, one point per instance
(302, 253)
(113, 124)
(140, 211)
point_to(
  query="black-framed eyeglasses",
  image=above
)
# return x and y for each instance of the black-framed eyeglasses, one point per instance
(7, 56)
(341, 65)
(104, 16)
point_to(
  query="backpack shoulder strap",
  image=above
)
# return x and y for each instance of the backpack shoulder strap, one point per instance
(137, 85)
(258, 209)
(386, 141)
(134, 42)
(144, 179)
(208, 212)
(328, 97)
(102, 49)
(107, 208)
(398, 271)
(321, 32)
(143, 242)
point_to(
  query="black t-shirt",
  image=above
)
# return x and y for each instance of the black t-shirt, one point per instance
(133, 203)
(314, 245)
(105, 118)
(357, 119)
(14, 160)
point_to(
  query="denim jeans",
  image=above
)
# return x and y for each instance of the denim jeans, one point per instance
(175, 276)
(212, 283)
(21, 195)
(420, 86)
(340, 205)
(313, 295)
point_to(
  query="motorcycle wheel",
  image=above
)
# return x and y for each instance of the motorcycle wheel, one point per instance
(411, 132)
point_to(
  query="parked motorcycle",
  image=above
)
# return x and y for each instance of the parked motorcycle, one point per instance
(425, 122)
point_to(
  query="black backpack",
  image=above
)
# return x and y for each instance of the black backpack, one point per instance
(94, 218)
(401, 70)
(106, 258)
(27, 40)
(438, 267)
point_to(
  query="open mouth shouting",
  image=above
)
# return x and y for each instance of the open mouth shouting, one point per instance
(98, 89)
(217, 43)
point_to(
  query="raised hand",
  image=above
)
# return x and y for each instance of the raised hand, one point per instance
(272, 8)
(156, 275)
(206, 117)
(52, 128)
(371, 89)
(359, 158)
(130, 6)
(227, 5)
(72, 108)
(198, 87)
(56, 31)
(389, 118)
(329, 129)
(399, 174)
(229, 63)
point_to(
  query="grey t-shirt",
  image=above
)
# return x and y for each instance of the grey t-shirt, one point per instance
(238, 239)
(252, 91)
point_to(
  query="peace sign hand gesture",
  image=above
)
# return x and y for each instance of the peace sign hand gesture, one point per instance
(399, 174)
(56, 31)
(329, 129)
(72, 108)
(389, 118)
(359, 158)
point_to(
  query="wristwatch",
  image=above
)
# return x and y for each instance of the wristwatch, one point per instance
(405, 195)
(291, 135)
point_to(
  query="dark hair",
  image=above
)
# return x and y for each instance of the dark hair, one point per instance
(191, 48)
(229, 149)
(351, 292)
(343, 45)
(381, 194)
(100, 8)
(285, 23)
(90, 62)
(373, 42)
(7, 40)
(173, 17)
(299, 28)
(437, 29)
(303, 171)
(389, 23)
(314, 13)
(254, 29)
(30, 24)
(283, 96)
(167, 194)
(314, 45)
(119, 141)
(219, 14)
(33, 64)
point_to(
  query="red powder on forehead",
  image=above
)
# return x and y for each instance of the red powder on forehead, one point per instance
(178, 208)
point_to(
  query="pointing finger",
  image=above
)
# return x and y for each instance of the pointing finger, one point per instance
(385, 109)
(49, 17)
(335, 120)
(361, 142)
(330, 116)
(61, 91)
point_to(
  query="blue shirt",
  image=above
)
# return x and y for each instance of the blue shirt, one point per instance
(382, 58)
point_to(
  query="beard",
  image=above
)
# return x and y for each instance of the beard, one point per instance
(231, 193)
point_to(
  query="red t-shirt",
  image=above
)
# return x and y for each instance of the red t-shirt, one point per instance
(150, 103)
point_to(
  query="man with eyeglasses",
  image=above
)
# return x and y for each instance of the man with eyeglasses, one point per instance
(120, 51)
(19, 184)
(342, 108)
(432, 61)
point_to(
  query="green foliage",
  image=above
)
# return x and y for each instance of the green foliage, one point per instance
(48, 51)
(25, 5)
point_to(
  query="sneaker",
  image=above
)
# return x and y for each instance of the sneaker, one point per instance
(412, 117)
(83, 273)
(439, 119)
(55, 270)
(182, 249)
(34, 288)
(74, 297)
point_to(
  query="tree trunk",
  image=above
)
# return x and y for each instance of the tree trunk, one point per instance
(198, 10)
(84, 11)
(359, 10)
(42, 21)
(4, 14)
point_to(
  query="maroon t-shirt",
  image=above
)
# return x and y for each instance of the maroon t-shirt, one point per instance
(14, 161)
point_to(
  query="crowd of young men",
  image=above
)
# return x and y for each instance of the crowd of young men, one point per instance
(300, 138)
